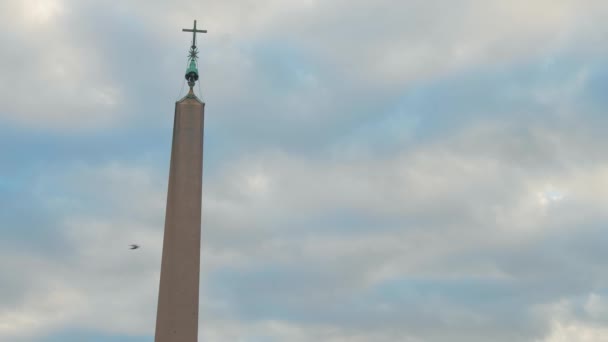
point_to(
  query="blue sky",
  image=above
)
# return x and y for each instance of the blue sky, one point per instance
(374, 171)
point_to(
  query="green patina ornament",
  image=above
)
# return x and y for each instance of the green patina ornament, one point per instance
(192, 71)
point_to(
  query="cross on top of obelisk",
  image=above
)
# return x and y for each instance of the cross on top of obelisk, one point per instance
(194, 32)
(192, 71)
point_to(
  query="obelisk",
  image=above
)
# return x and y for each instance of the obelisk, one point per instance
(177, 315)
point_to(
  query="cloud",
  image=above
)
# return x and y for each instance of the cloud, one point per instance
(85, 285)
(373, 172)
(568, 324)
(331, 248)
(99, 66)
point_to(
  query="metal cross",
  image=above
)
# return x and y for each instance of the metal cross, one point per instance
(194, 31)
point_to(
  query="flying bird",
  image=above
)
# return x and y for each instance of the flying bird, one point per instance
(134, 247)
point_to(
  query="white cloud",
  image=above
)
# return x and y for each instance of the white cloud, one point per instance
(37, 12)
(567, 327)
(577, 332)
(38, 315)
(512, 205)
(67, 79)
(433, 212)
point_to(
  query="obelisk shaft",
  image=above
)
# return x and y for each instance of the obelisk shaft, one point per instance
(177, 316)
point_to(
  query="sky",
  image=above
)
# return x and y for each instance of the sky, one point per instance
(415, 170)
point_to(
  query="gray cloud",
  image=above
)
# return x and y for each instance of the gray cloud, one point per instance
(445, 265)
(440, 198)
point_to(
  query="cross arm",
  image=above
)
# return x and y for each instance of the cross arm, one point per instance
(199, 31)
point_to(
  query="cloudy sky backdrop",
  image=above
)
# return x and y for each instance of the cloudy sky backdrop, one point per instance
(416, 170)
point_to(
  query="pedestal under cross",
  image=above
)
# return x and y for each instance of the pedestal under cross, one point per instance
(178, 293)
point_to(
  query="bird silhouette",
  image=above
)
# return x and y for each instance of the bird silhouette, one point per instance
(134, 247)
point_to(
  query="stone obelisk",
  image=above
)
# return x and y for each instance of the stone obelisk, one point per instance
(177, 315)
